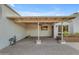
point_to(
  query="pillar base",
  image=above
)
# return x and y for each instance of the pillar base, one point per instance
(38, 42)
(63, 42)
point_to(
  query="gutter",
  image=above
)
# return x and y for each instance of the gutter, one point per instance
(12, 9)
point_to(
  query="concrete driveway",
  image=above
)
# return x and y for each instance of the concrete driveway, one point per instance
(48, 47)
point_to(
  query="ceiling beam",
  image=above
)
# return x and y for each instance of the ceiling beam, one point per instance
(41, 19)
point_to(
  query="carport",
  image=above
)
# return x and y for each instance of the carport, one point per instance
(42, 20)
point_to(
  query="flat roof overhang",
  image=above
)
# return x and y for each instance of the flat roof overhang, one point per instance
(41, 19)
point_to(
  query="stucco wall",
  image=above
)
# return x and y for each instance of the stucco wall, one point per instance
(0, 11)
(71, 28)
(75, 25)
(8, 28)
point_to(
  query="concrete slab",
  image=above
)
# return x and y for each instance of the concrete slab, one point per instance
(48, 47)
(74, 45)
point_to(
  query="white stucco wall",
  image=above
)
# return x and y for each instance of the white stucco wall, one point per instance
(75, 25)
(71, 28)
(8, 28)
(0, 11)
(55, 30)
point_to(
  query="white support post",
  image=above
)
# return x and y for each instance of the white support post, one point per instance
(62, 37)
(38, 40)
(38, 31)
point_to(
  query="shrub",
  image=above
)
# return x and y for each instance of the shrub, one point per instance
(65, 33)
(77, 33)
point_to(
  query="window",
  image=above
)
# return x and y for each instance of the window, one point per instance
(65, 28)
(44, 27)
(59, 28)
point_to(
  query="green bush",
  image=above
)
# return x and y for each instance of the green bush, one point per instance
(77, 33)
(65, 33)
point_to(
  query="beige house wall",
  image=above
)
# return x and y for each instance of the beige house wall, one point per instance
(32, 30)
(75, 25)
(8, 28)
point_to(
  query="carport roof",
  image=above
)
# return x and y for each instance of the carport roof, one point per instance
(33, 19)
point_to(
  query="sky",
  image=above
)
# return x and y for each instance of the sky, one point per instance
(45, 9)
